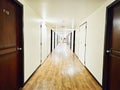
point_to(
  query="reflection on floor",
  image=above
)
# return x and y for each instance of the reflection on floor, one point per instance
(62, 71)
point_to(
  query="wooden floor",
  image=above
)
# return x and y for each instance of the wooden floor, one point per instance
(62, 71)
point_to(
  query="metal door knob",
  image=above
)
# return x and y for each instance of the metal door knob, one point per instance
(108, 51)
(19, 49)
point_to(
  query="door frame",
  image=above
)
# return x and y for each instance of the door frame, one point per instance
(54, 40)
(70, 40)
(74, 41)
(20, 42)
(51, 41)
(109, 14)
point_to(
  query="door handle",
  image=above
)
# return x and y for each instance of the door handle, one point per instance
(108, 51)
(19, 49)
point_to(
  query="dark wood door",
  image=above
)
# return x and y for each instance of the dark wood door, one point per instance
(11, 51)
(112, 48)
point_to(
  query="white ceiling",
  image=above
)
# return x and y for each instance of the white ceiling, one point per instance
(64, 13)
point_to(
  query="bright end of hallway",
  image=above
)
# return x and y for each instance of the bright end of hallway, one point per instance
(62, 70)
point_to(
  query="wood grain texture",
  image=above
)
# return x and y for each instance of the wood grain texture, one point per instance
(62, 71)
(11, 38)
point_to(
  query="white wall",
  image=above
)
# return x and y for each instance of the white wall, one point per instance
(68, 40)
(95, 41)
(31, 32)
(55, 39)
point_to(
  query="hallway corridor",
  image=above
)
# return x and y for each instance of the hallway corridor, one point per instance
(62, 70)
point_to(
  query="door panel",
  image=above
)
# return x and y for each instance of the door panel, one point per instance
(111, 74)
(8, 20)
(8, 77)
(82, 42)
(114, 72)
(11, 60)
(114, 66)
(116, 29)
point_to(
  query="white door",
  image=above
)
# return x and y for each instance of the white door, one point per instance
(82, 42)
(41, 44)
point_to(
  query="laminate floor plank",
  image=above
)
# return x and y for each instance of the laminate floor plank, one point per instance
(62, 70)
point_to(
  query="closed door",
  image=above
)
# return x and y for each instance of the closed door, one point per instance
(41, 44)
(112, 52)
(68, 40)
(82, 42)
(11, 61)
